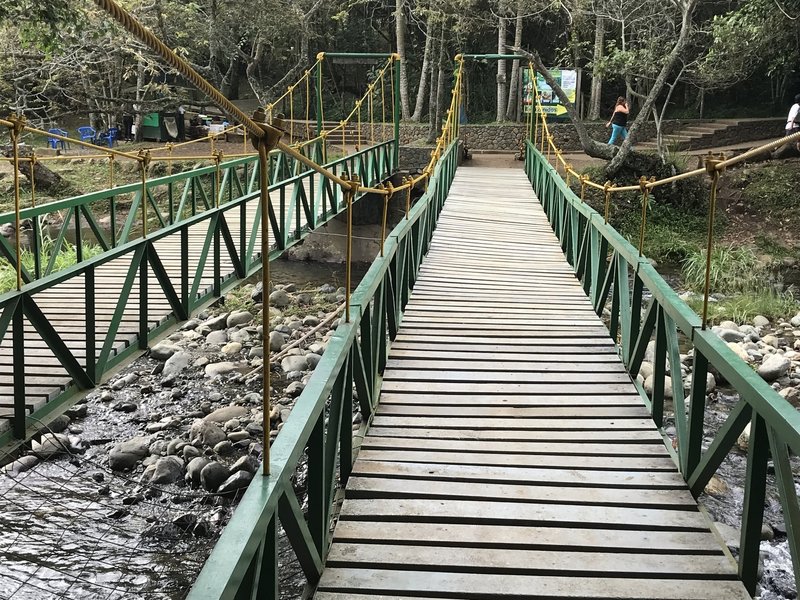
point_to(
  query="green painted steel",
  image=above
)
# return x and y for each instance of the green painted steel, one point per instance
(300, 203)
(319, 426)
(606, 263)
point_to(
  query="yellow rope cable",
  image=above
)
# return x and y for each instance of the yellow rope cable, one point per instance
(14, 131)
(358, 146)
(291, 114)
(33, 179)
(383, 108)
(308, 107)
(371, 119)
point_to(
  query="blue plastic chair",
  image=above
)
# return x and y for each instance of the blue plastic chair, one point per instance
(88, 134)
(54, 143)
(110, 136)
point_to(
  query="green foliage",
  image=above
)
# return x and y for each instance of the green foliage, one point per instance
(768, 186)
(732, 270)
(64, 259)
(743, 307)
(670, 235)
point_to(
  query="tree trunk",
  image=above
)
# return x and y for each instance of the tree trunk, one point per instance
(46, 180)
(687, 8)
(423, 76)
(138, 116)
(597, 76)
(501, 70)
(434, 77)
(440, 84)
(513, 95)
(400, 30)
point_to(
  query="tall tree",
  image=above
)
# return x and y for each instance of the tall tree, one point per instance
(400, 34)
(513, 95)
(597, 69)
(502, 89)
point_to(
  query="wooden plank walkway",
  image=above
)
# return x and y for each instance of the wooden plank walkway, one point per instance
(511, 456)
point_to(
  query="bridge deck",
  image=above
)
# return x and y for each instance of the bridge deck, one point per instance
(511, 456)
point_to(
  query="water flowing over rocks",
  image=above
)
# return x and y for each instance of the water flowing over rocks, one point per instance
(183, 425)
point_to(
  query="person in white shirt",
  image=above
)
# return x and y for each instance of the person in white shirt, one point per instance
(792, 125)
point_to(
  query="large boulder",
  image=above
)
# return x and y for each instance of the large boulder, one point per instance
(166, 470)
(176, 363)
(239, 317)
(226, 413)
(207, 433)
(294, 363)
(163, 351)
(51, 444)
(220, 368)
(126, 454)
(212, 476)
(774, 366)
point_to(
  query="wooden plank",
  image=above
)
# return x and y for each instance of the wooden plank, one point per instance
(469, 400)
(503, 376)
(493, 387)
(517, 537)
(519, 435)
(372, 442)
(490, 412)
(529, 562)
(604, 463)
(483, 585)
(520, 475)
(366, 488)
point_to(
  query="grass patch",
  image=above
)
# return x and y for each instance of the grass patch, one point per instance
(732, 270)
(768, 186)
(64, 259)
(743, 307)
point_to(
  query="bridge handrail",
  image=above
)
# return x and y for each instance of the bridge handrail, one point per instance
(587, 240)
(356, 357)
(183, 197)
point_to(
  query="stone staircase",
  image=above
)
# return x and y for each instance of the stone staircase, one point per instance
(698, 135)
(692, 136)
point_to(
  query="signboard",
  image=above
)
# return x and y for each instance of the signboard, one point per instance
(551, 105)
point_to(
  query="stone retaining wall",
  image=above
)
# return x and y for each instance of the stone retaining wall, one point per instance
(509, 136)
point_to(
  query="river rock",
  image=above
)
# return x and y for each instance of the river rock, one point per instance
(646, 369)
(50, 444)
(760, 321)
(729, 325)
(795, 320)
(294, 389)
(217, 338)
(190, 452)
(716, 487)
(294, 363)
(123, 382)
(743, 441)
(239, 317)
(280, 299)
(303, 299)
(26, 463)
(257, 295)
(245, 463)
(729, 335)
(310, 321)
(648, 386)
(57, 425)
(193, 470)
(774, 366)
(792, 395)
(232, 348)
(238, 481)
(739, 351)
(126, 454)
(220, 368)
(313, 360)
(226, 413)
(206, 432)
(176, 363)
(241, 336)
(163, 351)
(126, 406)
(212, 476)
(276, 341)
(167, 470)
(224, 448)
(217, 323)
(771, 340)
(256, 352)
(238, 436)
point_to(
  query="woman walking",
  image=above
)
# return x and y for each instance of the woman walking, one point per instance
(618, 121)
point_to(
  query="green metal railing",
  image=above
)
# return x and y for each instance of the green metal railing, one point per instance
(299, 204)
(608, 266)
(244, 561)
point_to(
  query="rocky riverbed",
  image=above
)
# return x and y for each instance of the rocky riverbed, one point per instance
(125, 494)
(773, 351)
(138, 478)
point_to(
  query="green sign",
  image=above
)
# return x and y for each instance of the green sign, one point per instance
(551, 105)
